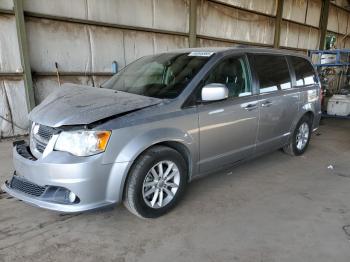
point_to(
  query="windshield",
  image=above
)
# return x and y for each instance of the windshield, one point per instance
(161, 76)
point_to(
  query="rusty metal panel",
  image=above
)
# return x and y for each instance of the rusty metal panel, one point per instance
(131, 12)
(295, 10)
(13, 110)
(341, 41)
(171, 15)
(298, 36)
(9, 51)
(137, 44)
(337, 20)
(313, 12)
(346, 43)
(64, 8)
(289, 34)
(53, 41)
(6, 4)
(341, 3)
(263, 6)
(225, 22)
(167, 15)
(163, 43)
(308, 38)
(94, 48)
(106, 45)
(303, 11)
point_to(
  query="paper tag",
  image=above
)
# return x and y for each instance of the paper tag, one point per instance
(207, 54)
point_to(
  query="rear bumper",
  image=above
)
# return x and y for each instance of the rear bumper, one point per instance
(96, 184)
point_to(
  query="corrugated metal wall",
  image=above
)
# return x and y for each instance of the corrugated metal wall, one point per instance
(85, 36)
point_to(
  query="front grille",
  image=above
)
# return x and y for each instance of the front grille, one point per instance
(41, 136)
(27, 187)
(46, 132)
(40, 146)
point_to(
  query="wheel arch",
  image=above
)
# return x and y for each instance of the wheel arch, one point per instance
(305, 112)
(176, 145)
(310, 115)
(175, 139)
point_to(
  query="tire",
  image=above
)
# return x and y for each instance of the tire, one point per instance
(145, 170)
(294, 148)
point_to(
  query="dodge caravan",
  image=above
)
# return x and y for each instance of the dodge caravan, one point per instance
(160, 122)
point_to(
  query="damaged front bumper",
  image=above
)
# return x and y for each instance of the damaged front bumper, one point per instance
(63, 182)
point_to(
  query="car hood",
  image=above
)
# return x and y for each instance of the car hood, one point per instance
(78, 105)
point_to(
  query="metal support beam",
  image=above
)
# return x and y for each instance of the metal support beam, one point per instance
(278, 22)
(6, 12)
(103, 24)
(23, 50)
(38, 74)
(231, 41)
(193, 23)
(324, 23)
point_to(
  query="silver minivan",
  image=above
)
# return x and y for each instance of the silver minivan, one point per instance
(159, 123)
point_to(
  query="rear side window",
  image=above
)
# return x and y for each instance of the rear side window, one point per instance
(272, 72)
(304, 72)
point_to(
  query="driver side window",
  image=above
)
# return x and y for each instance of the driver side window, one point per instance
(233, 73)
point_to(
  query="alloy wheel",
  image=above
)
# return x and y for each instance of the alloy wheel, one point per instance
(302, 136)
(161, 184)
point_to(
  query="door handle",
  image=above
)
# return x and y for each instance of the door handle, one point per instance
(266, 104)
(250, 107)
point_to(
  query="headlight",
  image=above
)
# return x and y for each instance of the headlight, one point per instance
(83, 143)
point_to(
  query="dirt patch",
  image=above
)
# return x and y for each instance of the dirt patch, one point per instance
(347, 231)
(339, 171)
(60, 218)
(342, 174)
(3, 194)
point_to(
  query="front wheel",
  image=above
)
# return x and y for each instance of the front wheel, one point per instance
(300, 138)
(156, 182)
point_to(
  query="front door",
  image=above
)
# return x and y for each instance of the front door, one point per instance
(228, 128)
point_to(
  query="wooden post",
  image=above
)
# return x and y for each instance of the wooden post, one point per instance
(278, 22)
(193, 23)
(324, 23)
(23, 50)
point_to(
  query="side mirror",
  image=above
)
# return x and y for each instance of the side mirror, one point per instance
(214, 92)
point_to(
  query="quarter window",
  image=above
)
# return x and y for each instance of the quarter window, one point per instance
(304, 72)
(272, 72)
(231, 72)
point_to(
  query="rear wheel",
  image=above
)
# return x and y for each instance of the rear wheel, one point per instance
(300, 138)
(156, 182)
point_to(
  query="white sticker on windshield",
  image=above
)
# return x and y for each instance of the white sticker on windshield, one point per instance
(207, 54)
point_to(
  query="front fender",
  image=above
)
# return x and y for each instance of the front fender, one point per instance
(140, 143)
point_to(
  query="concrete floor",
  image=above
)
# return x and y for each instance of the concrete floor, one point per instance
(275, 208)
